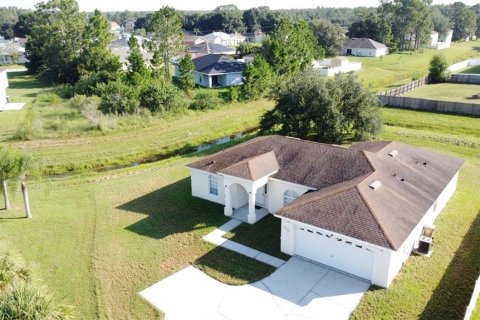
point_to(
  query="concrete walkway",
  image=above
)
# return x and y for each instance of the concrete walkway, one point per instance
(299, 289)
(216, 237)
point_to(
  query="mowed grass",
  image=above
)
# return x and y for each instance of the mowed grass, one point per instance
(263, 236)
(476, 311)
(471, 70)
(136, 139)
(396, 69)
(447, 92)
(96, 243)
(22, 88)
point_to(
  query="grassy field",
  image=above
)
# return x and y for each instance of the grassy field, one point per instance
(136, 139)
(396, 69)
(447, 92)
(471, 70)
(97, 241)
(476, 311)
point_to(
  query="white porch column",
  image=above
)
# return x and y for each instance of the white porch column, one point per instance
(228, 210)
(252, 216)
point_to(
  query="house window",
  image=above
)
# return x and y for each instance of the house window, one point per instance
(213, 185)
(289, 196)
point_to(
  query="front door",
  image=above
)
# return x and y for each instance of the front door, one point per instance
(260, 196)
(349, 52)
(215, 81)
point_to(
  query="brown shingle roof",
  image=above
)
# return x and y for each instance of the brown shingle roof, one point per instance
(254, 168)
(411, 181)
(307, 163)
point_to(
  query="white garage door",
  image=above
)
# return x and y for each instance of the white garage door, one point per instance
(333, 251)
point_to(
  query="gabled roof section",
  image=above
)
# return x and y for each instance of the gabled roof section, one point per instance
(217, 63)
(303, 162)
(363, 43)
(254, 168)
(211, 48)
(342, 200)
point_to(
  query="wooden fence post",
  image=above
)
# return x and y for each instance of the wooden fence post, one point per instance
(26, 200)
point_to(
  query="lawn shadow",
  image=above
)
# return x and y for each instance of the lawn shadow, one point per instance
(172, 209)
(452, 295)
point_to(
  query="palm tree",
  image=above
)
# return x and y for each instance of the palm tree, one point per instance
(13, 166)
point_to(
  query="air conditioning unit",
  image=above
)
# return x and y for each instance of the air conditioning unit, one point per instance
(424, 245)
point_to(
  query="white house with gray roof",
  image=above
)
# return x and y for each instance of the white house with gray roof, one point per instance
(362, 210)
(216, 70)
(364, 47)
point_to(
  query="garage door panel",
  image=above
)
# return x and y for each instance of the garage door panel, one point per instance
(334, 252)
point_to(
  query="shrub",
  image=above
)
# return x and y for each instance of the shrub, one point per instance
(88, 84)
(25, 301)
(11, 269)
(49, 99)
(160, 96)
(117, 98)
(234, 93)
(438, 71)
(205, 100)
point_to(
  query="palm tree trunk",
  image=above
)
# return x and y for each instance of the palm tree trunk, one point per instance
(5, 195)
(25, 199)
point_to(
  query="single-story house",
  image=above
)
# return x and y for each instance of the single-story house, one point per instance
(255, 37)
(225, 39)
(364, 47)
(332, 66)
(12, 53)
(216, 70)
(190, 40)
(361, 209)
(440, 41)
(205, 48)
(3, 88)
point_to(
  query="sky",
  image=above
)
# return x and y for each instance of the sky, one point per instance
(149, 5)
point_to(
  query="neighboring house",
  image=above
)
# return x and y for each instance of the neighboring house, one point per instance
(364, 47)
(440, 42)
(216, 70)
(3, 88)
(225, 39)
(190, 40)
(12, 53)
(120, 48)
(115, 27)
(5, 104)
(205, 48)
(332, 66)
(249, 58)
(256, 37)
(361, 209)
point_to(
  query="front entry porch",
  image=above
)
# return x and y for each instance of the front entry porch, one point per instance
(241, 213)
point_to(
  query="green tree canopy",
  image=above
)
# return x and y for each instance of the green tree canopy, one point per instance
(167, 38)
(438, 70)
(96, 55)
(186, 69)
(137, 72)
(55, 43)
(291, 48)
(326, 111)
(258, 79)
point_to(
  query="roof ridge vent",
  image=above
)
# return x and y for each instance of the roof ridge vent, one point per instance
(393, 153)
(375, 185)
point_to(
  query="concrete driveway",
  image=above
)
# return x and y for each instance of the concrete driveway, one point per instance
(298, 289)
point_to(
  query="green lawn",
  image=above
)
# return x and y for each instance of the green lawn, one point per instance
(447, 92)
(476, 311)
(471, 70)
(396, 69)
(97, 241)
(263, 236)
(137, 139)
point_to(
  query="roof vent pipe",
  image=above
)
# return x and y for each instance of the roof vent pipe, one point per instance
(375, 185)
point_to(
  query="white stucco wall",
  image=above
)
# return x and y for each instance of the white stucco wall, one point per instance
(276, 190)
(200, 186)
(239, 196)
(366, 52)
(387, 263)
(399, 257)
(230, 79)
(3, 89)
